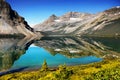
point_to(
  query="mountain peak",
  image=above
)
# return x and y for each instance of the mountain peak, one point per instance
(71, 14)
(53, 15)
(52, 18)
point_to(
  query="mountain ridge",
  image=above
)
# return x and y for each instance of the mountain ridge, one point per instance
(75, 23)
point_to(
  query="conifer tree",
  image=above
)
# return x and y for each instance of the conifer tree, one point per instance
(44, 66)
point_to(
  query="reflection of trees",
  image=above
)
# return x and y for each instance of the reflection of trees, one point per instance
(8, 58)
(11, 50)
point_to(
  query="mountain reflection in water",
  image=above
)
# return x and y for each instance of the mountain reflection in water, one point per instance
(14, 53)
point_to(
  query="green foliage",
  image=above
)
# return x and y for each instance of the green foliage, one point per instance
(105, 70)
(22, 76)
(63, 73)
(108, 74)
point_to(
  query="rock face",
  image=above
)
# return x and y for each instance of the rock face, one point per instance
(103, 24)
(11, 23)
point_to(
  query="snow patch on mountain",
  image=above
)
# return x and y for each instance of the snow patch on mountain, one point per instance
(57, 20)
(75, 19)
(117, 6)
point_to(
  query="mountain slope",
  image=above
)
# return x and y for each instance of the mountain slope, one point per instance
(74, 23)
(11, 23)
(106, 24)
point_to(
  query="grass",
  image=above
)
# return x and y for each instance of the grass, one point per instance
(105, 70)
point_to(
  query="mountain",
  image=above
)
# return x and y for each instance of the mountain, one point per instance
(11, 23)
(105, 23)
(51, 19)
(63, 24)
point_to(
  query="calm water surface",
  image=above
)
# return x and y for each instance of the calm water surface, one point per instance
(30, 53)
(35, 56)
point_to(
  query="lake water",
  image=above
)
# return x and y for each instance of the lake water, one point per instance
(35, 56)
(31, 53)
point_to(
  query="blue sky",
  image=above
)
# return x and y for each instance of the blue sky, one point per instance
(36, 11)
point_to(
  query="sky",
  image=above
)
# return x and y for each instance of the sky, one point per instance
(36, 11)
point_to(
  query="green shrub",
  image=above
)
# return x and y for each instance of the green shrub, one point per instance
(108, 74)
(63, 72)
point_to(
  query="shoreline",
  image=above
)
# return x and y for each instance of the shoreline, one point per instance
(51, 68)
(77, 72)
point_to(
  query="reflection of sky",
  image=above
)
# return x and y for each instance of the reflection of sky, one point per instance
(35, 56)
(36, 11)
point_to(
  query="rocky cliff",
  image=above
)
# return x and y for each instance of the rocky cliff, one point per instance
(11, 23)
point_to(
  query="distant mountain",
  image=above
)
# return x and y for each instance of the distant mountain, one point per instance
(106, 23)
(51, 19)
(61, 24)
(11, 23)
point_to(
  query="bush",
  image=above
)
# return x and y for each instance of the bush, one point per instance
(63, 73)
(108, 74)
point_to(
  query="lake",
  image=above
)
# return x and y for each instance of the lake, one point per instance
(31, 53)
